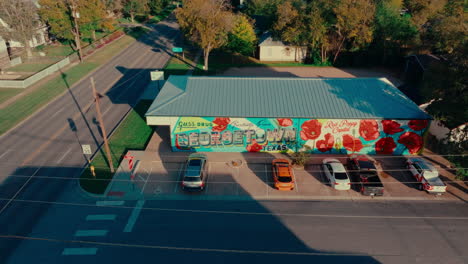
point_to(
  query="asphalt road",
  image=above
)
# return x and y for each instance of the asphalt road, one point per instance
(251, 232)
(46, 148)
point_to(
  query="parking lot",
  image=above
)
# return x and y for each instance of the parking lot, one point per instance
(160, 179)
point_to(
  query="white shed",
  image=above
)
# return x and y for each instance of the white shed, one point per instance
(275, 50)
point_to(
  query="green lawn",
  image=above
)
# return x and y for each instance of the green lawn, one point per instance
(56, 51)
(220, 61)
(132, 134)
(7, 93)
(30, 67)
(26, 105)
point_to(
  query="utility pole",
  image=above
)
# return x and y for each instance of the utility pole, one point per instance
(76, 31)
(101, 125)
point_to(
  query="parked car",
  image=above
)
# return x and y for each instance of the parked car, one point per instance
(283, 175)
(195, 172)
(336, 174)
(365, 170)
(426, 175)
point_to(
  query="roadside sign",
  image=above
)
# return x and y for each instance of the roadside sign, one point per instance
(177, 49)
(86, 149)
(157, 75)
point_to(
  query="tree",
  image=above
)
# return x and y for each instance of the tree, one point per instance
(113, 7)
(448, 30)
(354, 20)
(93, 17)
(422, 10)
(318, 32)
(242, 39)
(207, 23)
(22, 21)
(392, 30)
(133, 7)
(157, 6)
(446, 86)
(263, 8)
(291, 25)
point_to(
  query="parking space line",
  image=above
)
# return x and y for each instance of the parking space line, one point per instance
(178, 177)
(297, 183)
(266, 181)
(111, 203)
(144, 185)
(100, 217)
(134, 216)
(79, 251)
(88, 233)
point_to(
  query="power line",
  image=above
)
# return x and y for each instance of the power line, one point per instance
(159, 209)
(210, 182)
(142, 246)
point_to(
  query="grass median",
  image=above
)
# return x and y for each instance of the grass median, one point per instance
(26, 105)
(132, 134)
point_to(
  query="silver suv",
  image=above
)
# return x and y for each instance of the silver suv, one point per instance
(195, 172)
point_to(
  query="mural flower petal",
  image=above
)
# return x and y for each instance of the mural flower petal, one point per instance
(221, 123)
(311, 129)
(418, 125)
(351, 143)
(254, 147)
(284, 122)
(391, 127)
(369, 129)
(326, 144)
(385, 145)
(412, 141)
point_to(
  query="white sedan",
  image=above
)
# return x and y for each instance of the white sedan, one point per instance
(336, 174)
(426, 175)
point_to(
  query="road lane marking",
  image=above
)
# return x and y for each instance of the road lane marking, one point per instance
(101, 217)
(4, 153)
(56, 113)
(134, 216)
(89, 232)
(79, 251)
(111, 203)
(66, 153)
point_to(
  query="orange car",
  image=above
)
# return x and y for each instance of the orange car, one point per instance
(283, 175)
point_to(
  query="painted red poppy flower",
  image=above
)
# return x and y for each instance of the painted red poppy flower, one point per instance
(311, 129)
(221, 123)
(369, 129)
(385, 145)
(254, 147)
(285, 122)
(326, 144)
(391, 127)
(351, 143)
(418, 125)
(412, 141)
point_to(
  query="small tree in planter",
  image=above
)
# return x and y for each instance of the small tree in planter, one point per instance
(300, 158)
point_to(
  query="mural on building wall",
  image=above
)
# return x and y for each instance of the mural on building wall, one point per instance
(336, 136)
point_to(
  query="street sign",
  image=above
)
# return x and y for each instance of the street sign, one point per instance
(86, 149)
(177, 49)
(157, 75)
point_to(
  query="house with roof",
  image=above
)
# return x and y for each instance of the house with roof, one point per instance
(253, 114)
(8, 47)
(271, 49)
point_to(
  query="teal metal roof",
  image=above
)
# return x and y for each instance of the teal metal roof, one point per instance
(338, 98)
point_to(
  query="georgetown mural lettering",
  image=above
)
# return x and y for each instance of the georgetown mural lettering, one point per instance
(337, 136)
